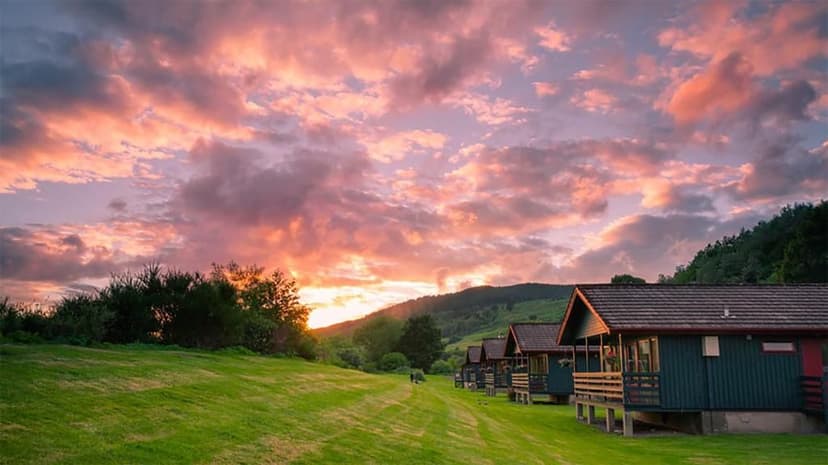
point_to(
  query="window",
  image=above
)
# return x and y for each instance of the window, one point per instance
(783, 347)
(641, 355)
(710, 346)
(539, 364)
(644, 355)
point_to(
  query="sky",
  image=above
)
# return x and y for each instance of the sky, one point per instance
(380, 151)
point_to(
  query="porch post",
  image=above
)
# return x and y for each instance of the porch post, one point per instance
(628, 423)
(600, 352)
(610, 420)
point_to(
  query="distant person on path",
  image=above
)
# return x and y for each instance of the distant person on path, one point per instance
(411, 376)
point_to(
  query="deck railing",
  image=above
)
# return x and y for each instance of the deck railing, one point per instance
(633, 389)
(642, 389)
(815, 394)
(490, 379)
(529, 382)
(604, 387)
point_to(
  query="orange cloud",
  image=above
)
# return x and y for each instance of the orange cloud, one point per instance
(724, 87)
(784, 37)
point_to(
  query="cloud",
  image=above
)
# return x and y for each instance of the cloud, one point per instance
(782, 169)
(726, 92)
(42, 256)
(595, 100)
(552, 38)
(724, 87)
(647, 245)
(545, 89)
(784, 36)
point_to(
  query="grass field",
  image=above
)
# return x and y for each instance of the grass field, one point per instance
(72, 405)
(541, 310)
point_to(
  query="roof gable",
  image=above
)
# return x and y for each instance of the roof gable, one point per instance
(473, 354)
(701, 307)
(493, 348)
(534, 337)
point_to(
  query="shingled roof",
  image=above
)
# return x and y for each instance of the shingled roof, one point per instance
(494, 348)
(473, 354)
(705, 307)
(536, 337)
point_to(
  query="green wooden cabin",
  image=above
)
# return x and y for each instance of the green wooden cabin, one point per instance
(703, 358)
(472, 376)
(495, 365)
(542, 367)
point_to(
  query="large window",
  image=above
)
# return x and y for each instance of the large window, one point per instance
(539, 364)
(641, 355)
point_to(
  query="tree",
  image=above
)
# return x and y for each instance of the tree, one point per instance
(275, 319)
(378, 337)
(421, 341)
(393, 361)
(806, 255)
(626, 279)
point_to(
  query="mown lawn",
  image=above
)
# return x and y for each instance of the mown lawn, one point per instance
(71, 405)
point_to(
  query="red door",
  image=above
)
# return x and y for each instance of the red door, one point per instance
(812, 362)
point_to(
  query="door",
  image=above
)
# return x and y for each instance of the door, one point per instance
(814, 365)
(813, 362)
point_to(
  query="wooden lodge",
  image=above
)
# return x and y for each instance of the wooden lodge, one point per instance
(495, 365)
(472, 376)
(703, 358)
(542, 367)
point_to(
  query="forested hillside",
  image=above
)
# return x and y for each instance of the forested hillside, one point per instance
(461, 313)
(790, 248)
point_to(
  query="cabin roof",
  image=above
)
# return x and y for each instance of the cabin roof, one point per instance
(536, 337)
(473, 354)
(494, 348)
(704, 307)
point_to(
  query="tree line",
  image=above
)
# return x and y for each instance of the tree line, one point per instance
(388, 344)
(232, 305)
(790, 248)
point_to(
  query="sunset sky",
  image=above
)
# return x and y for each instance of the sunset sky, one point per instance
(379, 151)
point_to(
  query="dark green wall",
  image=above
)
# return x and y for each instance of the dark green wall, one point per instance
(560, 378)
(742, 377)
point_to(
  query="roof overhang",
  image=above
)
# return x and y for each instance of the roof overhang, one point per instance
(577, 295)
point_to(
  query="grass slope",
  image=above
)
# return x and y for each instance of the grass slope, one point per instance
(548, 310)
(73, 405)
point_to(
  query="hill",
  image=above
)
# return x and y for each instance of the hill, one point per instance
(790, 248)
(149, 405)
(472, 310)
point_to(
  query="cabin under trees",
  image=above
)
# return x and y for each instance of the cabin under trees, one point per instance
(703, 358)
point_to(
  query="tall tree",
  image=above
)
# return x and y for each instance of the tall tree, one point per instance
(378, 337)
(421, 341)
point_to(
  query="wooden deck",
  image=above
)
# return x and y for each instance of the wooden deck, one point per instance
(616, 391)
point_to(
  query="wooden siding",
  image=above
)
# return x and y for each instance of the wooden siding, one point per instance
(741, 378)
(585, 322)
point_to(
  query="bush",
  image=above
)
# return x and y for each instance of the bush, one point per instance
(441, 367)
(419, 376)
(351, 357)
(80, 320)
(393, 361)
